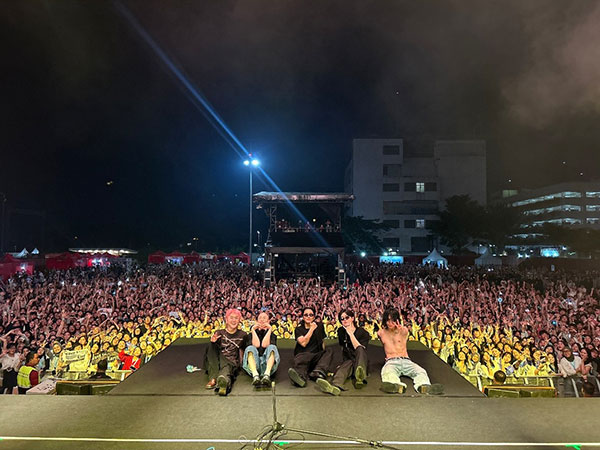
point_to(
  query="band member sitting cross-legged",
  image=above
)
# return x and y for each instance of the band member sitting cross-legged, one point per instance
(261, 357)
(311, 358)
(223, 357)
(394, 336)
(354, 341)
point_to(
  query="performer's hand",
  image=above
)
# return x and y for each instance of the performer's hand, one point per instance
(313, 326)
(215, 337)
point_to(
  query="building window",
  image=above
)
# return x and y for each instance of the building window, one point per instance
(391, 149)
(392, 170)
(592, 194)
(391, 187)
(410, 187)
(392, 208)
(568, 194)
(593, 220)
(410, 224)
(430, 187)
(420, 223)
(420, 244)
(592, 207)
(420, 187)
(391, 223)
(391, 242)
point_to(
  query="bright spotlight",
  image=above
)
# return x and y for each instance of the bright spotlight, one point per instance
(255, 162)
(363, 254)
(246, 163)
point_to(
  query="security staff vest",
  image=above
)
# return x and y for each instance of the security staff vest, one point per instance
(23, 377)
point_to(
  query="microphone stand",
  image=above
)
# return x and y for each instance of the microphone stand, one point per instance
(265, 439)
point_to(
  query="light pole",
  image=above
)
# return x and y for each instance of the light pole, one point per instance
(251, 163)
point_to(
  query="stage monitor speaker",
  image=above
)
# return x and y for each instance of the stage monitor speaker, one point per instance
(72, 389)
(491, 392)
(101, 389)
(546, 393)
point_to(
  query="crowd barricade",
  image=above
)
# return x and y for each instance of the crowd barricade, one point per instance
(74, 375)
(563, 387)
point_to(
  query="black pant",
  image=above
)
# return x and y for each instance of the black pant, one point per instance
(348, 367)
(216, 364)
(306, 362)
(9, 381)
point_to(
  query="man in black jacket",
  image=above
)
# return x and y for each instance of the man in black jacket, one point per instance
(354, 341)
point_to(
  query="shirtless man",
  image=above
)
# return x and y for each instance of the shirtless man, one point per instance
(393, 336)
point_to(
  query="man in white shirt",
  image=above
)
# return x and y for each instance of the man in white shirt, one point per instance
(10, 361)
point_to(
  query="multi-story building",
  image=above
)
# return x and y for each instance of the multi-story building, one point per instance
(566, 204)
(407, 190)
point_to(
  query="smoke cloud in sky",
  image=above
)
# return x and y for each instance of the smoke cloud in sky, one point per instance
(84, 100)
(562, 77)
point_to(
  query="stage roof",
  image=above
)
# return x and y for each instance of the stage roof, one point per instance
(302, 197)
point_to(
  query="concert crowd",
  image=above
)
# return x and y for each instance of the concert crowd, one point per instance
(523, 322)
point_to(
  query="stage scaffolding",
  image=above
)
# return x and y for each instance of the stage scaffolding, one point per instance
(305, 235)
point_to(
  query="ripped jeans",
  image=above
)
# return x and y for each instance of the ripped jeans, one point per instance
(394, 368)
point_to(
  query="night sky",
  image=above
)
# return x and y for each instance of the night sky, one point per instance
(85, 101)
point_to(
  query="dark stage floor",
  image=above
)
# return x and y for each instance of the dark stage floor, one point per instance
(165, 374)
(164, 407)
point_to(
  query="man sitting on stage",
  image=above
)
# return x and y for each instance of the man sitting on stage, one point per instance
(311, 357)
(354, 341)
(224, 353)
(394, 336)
(261, 357)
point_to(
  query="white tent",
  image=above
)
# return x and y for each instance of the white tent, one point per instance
(487, 259)
(22, 254)
(35, 251)
(434, 258)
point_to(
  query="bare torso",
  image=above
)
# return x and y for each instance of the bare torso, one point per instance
(394, 341)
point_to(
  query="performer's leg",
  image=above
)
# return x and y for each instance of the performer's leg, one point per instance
(250, 361)
(342, 373)
(390, 378)
(302, 362)
(416, 372)
(360, 366)
(273, 360)
(211, 360)
(324, 362)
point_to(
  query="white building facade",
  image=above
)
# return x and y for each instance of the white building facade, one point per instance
(566, 204)
(407, 191)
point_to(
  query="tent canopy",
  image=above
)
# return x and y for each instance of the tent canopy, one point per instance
(487, 259)
(434, 258)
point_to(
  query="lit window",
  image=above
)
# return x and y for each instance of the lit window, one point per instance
(593, 220)
(592, 207)
(592, 194)
(420, 223)
(420, 187)
(529, 201)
